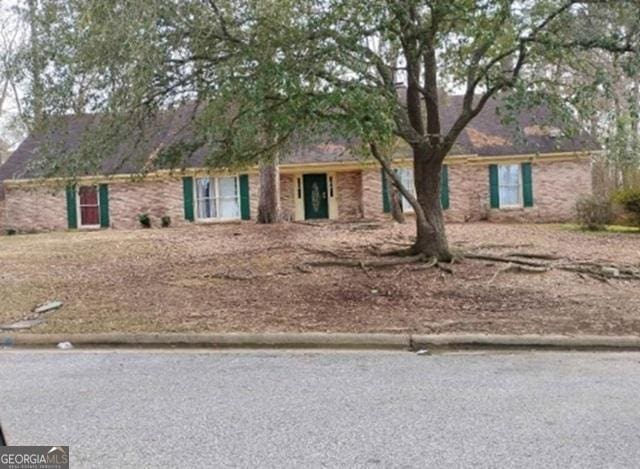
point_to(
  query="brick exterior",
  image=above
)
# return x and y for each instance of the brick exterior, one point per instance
(35, 209)
(556, 187)
(371, 193)
(468, 193)
(349, 194)
(157, 198)
(254, 195)
(287, 196)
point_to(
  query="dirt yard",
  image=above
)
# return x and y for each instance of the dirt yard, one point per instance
(243, 277)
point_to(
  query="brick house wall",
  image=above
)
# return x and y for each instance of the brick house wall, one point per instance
(556, 187)
(349, 194)
(371, 193)
(41, 208)
(157, 198)
(468, 193)
(35, 209)
(254, 195)
(287, 196)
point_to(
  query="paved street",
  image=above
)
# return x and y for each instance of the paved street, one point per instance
(325, 409)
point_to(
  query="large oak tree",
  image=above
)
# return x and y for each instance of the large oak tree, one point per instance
(266, 72)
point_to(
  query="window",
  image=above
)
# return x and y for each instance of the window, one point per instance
(217, 198)
(89, 206)
(510, 185)
(406, 178)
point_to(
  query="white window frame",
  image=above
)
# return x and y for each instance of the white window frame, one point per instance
(216, 198)
(520, 203)
(406, 206)
(79, 206)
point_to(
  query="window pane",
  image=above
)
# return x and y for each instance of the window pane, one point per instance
(88, 195)
(509, 180)
(227, 187)
(229, 208)
(509, 196)
(509, 175)
(206, 208)
(228, 203)
(205, 188)
(89, 207)
(406, 178)
(89, 215)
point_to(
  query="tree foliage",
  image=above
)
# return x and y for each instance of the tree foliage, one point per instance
(265, 72)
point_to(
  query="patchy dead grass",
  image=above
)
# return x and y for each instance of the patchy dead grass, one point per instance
(242, 277)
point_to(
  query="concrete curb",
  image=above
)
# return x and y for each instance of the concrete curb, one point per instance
(230, 340)
(560, 342)
(314, 340)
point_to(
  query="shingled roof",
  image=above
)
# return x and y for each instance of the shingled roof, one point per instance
(485, 136)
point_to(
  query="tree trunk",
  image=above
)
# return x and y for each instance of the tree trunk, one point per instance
(431, 238)
(36, 64)
(269, 204)
(396, 204)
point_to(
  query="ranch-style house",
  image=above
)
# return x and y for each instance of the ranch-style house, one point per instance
(494, 173)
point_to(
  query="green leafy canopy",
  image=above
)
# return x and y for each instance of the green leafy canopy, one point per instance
(264, 74)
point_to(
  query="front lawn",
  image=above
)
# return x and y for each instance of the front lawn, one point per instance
(245, 277)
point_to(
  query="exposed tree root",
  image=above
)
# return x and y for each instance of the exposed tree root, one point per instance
(517, 262)
(365, 263)
(511, 267)
(404, 252)
(495, 258)
(592, 269)
(427, 265)
(420, 261)
(497, 246)
(531, 255)
(249, 275)
(445, 266)
(326, 252)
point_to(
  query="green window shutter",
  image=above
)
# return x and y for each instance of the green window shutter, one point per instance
(527, 186)
(386, 201)
(494, 190)
(104, 205)
(444, 187)
(245, 211)
(187, 197)
(72, 208)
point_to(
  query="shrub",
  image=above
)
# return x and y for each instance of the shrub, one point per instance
(630, 201)
(11, 231)
(144, 220)
(594, 213)
(165, 221)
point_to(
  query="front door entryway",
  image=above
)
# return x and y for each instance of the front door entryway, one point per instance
(316, 202)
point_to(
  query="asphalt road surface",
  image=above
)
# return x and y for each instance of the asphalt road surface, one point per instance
(325, 409)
